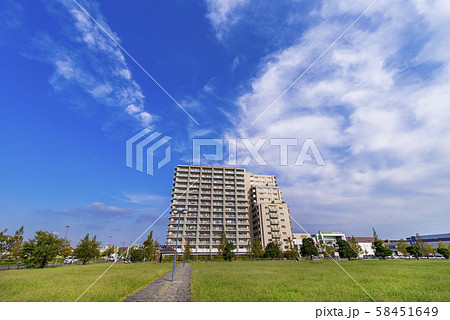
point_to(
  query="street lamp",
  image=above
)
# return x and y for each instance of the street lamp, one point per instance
(67, 231)
(176, 242)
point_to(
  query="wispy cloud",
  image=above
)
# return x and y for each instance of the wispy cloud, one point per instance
(84, 58)
(223, 14)
(97, 210)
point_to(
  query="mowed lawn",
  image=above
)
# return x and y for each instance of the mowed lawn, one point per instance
(67, 283)
(424, 280)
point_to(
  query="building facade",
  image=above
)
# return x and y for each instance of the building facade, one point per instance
(269, 214)
(432, 239)
(328, 238)
(366, 246)
(297, 238)
(230, 200)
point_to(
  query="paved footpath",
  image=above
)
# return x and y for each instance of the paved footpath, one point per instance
(164, 290)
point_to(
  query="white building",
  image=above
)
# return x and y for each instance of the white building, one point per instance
(329, 238)
(366, 246)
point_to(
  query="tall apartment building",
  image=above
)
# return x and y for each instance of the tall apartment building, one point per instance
(225, 199)
(269, 214)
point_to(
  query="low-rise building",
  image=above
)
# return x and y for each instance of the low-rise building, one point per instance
(366, 246)
(432, 239)
(297, 239)
(328, 238)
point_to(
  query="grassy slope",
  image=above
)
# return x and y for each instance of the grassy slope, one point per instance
(68, 282)
(321, 281)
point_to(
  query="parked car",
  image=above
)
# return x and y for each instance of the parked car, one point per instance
(70, 260)
(112, 257)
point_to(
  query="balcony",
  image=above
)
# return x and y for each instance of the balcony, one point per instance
(273, 216)
(275, 221)
(275, 228)
(276, 235)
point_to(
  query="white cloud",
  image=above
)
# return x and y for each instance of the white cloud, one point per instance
(98, 210)
(381, 126)
(223, 14)
(143, 198)
(87, 58)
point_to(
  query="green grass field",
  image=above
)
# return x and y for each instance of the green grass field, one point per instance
(67, 283)
(424, 280)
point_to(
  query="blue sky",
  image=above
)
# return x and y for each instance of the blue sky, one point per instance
(376, 104)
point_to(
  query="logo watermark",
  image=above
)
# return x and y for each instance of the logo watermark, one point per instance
(308, 151)
(141, 149)
(147, 142)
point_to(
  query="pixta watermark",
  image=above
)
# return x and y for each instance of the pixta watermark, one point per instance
(141, 151)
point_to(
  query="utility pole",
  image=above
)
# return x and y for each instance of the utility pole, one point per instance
(65, 239)
(67, 231)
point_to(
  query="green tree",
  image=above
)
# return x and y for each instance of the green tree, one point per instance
(444, 251)
(309, 248)
(291, 253)
(273, 250)
(15, 243)
(380, 249)
(420, 243)
(330, 250)
(87, 249)
(66, 251)
(345, 250)
(355, 246)
(37, 252)
(150, 248)
(228, 253)
(428, 250)
(425, 247)
(109, 251)
(4, 242)
(414, 250)
(375, 235)
(10, 246)
(136, 255)
(187, 250)
(221, 247)
(401, 246)
(249, 249)
(257, 248)
(442, 244)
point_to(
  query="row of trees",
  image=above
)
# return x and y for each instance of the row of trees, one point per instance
(149, 251)
(45, 246)
(10, 245)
